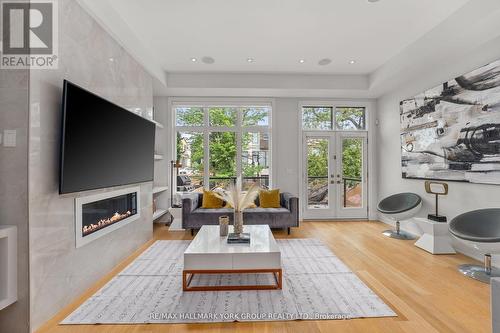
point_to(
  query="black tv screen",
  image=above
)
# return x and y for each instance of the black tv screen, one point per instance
(102, 144)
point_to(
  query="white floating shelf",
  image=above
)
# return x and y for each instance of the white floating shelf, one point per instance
(159, 213)
(8, 265)
(158, 125)
(159, 189)
(158, 157)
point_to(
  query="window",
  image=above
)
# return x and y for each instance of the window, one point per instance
(255, 116)
(219, 116)
(189, 149)
(350, 119)
(255, 159)
(317, 118)
(216, 143)
(222, 159)
(189, 116)
(329, 118)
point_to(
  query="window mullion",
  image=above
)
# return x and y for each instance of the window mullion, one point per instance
(206, 150)
(239, 139)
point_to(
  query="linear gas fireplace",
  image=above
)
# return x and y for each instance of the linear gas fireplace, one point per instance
(103, 213)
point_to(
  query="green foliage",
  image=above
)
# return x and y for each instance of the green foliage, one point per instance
(222, 149)
(253, 116)
(317, 161)
(317, 118)
(250, 170)
(222, 116)
(189, 116)
(350, 118)
(317, 158)
(194, 142)
(351, 158)
(222, 145)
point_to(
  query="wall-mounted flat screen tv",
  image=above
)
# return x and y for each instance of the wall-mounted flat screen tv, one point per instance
(102, 144)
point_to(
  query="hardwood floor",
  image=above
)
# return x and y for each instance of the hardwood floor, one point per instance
(426, 291)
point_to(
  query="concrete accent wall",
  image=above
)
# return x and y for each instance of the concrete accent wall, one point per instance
(91, 58)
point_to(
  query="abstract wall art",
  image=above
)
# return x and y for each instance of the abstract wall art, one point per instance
(452, 132)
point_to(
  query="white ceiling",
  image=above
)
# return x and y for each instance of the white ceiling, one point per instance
(279, 33)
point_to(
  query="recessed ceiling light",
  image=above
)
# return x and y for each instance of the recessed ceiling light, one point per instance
(208, 60)
(352, 62)
(250, 60)
(325, 61)
(193, 59)
(111, 59)
(373, 1)
(302, 61)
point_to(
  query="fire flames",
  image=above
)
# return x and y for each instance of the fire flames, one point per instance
(88, 229)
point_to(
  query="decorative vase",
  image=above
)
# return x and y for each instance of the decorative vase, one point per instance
(223, 225)
(238, 222)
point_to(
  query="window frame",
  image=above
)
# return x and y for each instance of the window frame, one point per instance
(206, 129)
(334, 106)
(370, 124)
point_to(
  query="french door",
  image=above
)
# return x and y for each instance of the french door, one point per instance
(334, 175)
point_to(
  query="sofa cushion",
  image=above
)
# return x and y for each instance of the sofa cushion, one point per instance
(213, 211)
(260, 210)
(269, 199)
(211, 200)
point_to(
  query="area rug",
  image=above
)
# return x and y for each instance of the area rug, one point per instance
(316, 286)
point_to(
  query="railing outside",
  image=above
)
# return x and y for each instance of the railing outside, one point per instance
(349, 183)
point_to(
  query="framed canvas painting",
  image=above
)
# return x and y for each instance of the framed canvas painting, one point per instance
(452, 132)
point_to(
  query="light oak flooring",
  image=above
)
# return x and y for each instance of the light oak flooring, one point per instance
(425, 290)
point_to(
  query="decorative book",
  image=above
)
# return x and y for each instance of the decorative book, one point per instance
(243, 238)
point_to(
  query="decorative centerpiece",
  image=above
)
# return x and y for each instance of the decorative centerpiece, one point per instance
(239, 200)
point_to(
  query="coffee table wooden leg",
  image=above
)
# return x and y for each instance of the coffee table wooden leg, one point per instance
(186, 280)
(188, 275)
(278, 276)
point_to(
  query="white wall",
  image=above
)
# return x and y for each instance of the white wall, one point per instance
(285, 154)
(462, 196)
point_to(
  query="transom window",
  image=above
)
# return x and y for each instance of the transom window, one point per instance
(329, 118)
(215, 144)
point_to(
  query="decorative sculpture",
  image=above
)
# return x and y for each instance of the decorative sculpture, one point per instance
(436, 188)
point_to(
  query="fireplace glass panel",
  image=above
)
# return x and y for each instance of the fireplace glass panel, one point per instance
(100, 214)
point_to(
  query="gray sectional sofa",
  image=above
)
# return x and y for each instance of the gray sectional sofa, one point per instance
(287, 216)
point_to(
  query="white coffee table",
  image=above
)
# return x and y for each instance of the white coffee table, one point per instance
(210, 253)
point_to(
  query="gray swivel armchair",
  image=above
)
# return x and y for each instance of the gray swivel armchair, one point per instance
(479, 229)
(399, 207)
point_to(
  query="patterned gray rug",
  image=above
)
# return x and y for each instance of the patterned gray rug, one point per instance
(316, 286)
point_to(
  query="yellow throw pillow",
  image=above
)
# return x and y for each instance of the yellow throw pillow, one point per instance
(269, 199)
(210, 200)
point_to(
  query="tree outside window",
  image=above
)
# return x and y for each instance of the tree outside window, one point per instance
(223, 129)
